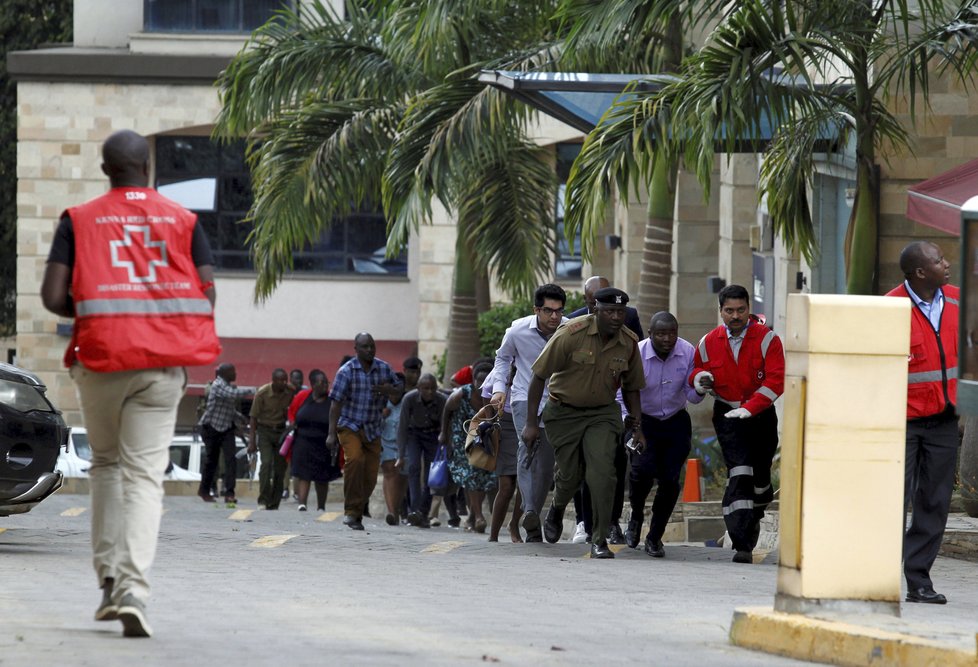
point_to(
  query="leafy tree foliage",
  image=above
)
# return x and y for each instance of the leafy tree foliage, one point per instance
(24, 24)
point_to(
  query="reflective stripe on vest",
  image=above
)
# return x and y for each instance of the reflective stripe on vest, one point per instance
(143, 307)
(931, 376)
(702, 347)
(767, 392)
(765, 343)
(951, 301)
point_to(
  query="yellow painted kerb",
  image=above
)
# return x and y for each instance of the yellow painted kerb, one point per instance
(839, 643)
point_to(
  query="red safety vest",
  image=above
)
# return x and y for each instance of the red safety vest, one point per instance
(138, 298)
(756, 379)
(932, 374)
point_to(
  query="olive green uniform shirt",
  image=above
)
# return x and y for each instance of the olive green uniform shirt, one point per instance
(269, 409)
(586, 372)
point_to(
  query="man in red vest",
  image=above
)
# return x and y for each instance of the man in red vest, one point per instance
(741, 363)
(143, 303)
(932, 425)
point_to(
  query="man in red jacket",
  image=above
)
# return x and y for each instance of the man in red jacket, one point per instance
(741, 363)
(932, 425)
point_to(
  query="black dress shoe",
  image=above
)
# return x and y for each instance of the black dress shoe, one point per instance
(654, 548)
(927, 595)
(743, 557)
(531, 524)
(631, 534)
(553, 525)
(615, 535)
(601, 550)
(356, 524)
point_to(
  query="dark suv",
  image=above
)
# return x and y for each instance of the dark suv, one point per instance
(32, 434)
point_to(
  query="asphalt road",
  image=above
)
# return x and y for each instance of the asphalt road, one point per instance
(290, 588)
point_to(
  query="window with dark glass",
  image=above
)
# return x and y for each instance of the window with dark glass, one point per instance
(213, 180)
(568, 262)
(209, 15)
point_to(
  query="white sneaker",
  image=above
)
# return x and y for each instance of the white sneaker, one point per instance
(580, 535)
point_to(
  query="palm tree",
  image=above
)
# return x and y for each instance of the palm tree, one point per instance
(808, 69)
(640, 37)
(383, 106)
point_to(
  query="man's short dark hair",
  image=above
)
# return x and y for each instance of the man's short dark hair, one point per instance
(549, 291)
(663, 317)
(912, 257)
(314, 373)
(733, 292)
(413, 362)
(481, 367)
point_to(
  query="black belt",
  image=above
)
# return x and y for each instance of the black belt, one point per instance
(565, 404)
(273, 426)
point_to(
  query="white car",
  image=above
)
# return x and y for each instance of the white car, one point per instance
(76, 458)
(187, 452)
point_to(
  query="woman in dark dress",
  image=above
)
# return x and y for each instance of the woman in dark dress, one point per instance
(311, 460)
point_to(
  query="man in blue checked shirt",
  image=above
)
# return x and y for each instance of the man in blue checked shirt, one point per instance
(667, 360)
(361, 389)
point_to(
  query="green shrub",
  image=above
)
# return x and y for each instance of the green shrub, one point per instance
(494, 322)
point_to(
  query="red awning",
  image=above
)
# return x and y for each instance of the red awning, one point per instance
(937, 201)
(256, 358)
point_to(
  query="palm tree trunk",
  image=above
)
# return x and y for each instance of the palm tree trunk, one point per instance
(862, 243)
(656, 274)
(463, 332)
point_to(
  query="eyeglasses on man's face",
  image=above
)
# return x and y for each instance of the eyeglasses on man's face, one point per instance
(550, 312)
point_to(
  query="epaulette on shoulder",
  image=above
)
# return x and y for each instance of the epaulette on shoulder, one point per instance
(577, 324)
(630, 333)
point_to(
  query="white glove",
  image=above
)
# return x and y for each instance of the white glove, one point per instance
(738, 413)
(698, 380)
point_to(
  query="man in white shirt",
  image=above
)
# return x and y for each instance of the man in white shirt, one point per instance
(522, 344)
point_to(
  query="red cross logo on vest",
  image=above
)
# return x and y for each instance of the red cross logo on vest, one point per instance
(138, 254)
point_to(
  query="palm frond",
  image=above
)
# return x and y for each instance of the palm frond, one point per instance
(306, 52)
(314, 165)
(506, 214)
(460, 119)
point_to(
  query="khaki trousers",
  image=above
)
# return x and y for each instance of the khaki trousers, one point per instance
(584, 442)
(362, 462)
(130, 416)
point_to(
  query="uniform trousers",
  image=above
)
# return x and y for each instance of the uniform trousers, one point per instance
(668, 442)
(271, 475)
(419, 452)
(536, 478)
(584, 442)
(130, 416)
(748, 447)
(932, 449)
(362, 462)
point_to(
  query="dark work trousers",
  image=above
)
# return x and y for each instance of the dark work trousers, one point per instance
(215, 443)
(748, 447)
(582, 499)
(420, 450)
(668, 442)
(932, 449)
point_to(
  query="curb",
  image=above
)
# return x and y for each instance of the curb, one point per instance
(840, 642)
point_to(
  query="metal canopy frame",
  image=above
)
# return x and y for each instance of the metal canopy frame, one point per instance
(580, 100)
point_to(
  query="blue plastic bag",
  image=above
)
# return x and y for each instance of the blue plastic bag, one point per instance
(439, 478)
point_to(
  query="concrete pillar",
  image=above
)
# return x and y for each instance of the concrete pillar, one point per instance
(842, 454)
(738, 212)
(694, 257)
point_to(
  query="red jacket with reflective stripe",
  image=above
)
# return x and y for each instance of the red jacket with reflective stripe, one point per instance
(756, 379)
(932, 379)
(138, 298)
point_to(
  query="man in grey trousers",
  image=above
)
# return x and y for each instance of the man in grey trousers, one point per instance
(520, 347)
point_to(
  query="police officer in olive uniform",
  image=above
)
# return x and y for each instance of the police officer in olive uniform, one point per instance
(587, 360)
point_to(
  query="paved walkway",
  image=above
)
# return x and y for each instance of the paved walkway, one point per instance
(290, 588)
